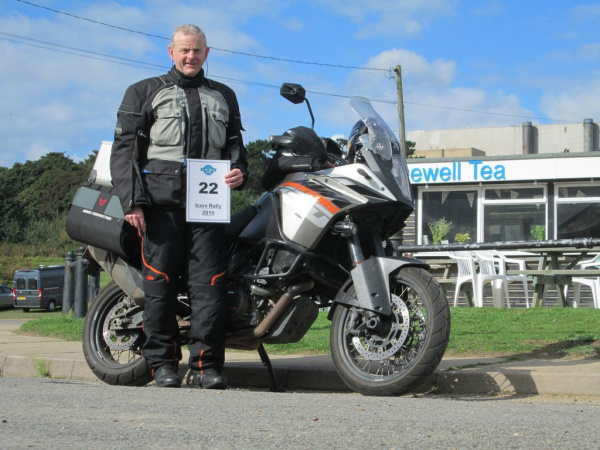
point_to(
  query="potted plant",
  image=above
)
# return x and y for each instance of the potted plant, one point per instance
(462, 238)
(538, 233)
(439, 229)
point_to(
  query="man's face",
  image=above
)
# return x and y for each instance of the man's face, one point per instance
(188, 52)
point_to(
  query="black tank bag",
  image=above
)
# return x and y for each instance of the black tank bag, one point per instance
(96, 218)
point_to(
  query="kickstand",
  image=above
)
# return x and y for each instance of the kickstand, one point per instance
(267, 363)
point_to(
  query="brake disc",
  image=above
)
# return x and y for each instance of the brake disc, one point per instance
(115, 336)
(376, 347)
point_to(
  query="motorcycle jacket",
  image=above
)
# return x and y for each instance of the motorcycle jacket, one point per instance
(165, 120)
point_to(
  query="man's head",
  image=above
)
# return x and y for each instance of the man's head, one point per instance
(188, 49)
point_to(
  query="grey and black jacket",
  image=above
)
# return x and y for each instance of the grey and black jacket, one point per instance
(163, 121)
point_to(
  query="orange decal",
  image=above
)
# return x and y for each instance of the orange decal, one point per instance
(320, 199)
(213, 279)
(148, 265)
(200, 361)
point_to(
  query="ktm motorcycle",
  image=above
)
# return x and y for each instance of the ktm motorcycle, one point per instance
(316, 240)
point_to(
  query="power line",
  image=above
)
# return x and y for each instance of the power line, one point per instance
(80, 52)
(145, 65)
(141, 64)
(253, 55)
(491, 113)
(76, 54)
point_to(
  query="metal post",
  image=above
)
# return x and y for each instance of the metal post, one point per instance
(80, 301)
(402, 134)
(93, 285)
(67, 303)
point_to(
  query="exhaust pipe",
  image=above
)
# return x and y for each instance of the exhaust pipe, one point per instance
(280, 306)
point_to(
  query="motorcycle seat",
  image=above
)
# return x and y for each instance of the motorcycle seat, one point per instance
(239, 221)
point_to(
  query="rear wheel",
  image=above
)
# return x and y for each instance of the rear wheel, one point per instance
(113, 338)
(397, 354)
(52, 306)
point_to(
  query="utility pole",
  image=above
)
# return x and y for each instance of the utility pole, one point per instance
(398, 72)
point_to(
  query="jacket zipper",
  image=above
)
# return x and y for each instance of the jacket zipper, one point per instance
(205, 133)
(186, 132)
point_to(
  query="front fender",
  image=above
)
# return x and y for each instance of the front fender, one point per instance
(371, 281)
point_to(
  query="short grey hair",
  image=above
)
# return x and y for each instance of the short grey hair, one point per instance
(187, 30)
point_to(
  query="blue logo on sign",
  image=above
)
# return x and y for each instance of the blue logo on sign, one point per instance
(208, 170)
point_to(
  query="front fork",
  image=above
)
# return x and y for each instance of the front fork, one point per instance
(370, 277)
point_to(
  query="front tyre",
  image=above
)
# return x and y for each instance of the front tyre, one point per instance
(404, 348)
(113, 337)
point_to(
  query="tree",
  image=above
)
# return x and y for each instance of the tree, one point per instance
(410, 148)
(36, 190)
(258, 156)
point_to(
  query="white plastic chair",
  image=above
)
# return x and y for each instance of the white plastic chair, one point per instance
(593, 283)
(501, 262)
(467, 273)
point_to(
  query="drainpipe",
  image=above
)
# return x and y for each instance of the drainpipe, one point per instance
(588, 135)
(528, 138)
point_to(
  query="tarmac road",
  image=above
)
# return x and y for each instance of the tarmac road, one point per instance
(50, 413)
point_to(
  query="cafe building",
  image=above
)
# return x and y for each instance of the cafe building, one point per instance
(505, 184)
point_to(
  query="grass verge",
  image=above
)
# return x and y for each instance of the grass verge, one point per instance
(64, 327)
(514, 333)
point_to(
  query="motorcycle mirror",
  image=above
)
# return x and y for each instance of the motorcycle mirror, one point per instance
(293, 92)
(296, 94)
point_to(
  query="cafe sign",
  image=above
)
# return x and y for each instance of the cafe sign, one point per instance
(474, 171)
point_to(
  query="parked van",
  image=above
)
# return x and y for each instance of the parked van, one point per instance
(39, 288)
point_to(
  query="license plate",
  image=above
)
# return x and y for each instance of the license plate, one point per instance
(20, 298)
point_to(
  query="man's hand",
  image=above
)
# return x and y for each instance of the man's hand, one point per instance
(234, 178)
(136, 218)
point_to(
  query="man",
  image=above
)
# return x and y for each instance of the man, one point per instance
(161, 123)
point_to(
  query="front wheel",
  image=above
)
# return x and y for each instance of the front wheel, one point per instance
(397, 354)
(113, 337)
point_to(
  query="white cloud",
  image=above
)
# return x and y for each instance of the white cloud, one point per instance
(589, 52)
(391, 18)
(575, 101)
(54, 100)
(432, 100)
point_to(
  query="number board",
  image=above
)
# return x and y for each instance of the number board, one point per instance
(208, 197)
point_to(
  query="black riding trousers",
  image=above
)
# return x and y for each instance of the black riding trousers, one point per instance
(175, 250)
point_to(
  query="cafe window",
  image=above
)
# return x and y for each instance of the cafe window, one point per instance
(514, 213)
(457, 208)
(577, 210)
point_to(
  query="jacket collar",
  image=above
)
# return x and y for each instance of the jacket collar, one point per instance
(184, 81)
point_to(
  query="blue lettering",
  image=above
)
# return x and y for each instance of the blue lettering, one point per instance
(449, 173)
(486, 172)
(456, 171)
(445, 174)
(416, 175)
(431, 174)
(500, 172)
(475, 168)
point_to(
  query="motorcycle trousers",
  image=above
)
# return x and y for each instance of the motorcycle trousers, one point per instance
(174, 250)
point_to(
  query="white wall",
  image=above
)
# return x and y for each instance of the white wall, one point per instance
(504, 141)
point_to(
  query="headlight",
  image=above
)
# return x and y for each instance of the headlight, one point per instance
(400, 173)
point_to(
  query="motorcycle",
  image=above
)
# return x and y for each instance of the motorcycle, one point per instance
(315, 240)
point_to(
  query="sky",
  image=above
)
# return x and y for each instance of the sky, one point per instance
(464, 64)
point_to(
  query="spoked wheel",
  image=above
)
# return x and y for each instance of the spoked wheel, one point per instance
(113, 337)
(391, 355)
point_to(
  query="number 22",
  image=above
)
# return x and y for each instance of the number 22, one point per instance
(204, 188)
